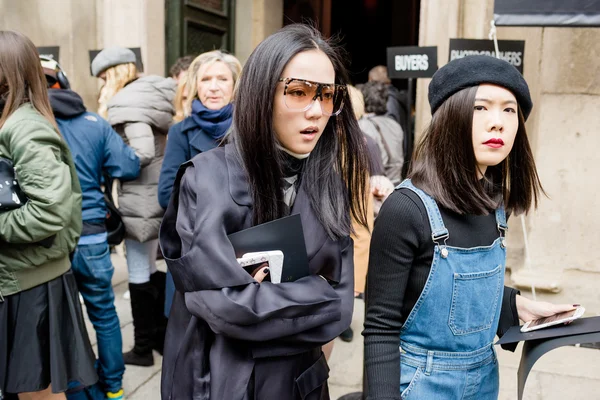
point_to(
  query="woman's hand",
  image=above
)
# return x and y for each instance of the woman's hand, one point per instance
(261, 272)
(381, 187)
(530, 310)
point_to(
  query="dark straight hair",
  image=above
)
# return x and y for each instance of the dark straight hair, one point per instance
(445, 166)
(335, 174)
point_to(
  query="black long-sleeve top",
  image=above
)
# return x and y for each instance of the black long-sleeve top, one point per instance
(399, 264)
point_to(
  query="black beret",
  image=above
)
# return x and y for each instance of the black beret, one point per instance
(473, 70)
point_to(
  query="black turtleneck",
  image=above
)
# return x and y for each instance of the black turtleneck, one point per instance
(291, 165)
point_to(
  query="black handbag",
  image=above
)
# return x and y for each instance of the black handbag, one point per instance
(11, 195)
(115, 228)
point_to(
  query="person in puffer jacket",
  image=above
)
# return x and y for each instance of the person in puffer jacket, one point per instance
(140, 110)
(96, 149)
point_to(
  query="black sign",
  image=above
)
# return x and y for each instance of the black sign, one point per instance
(509, 50)
(412, 62)
(136, 50)
(52, 52)
(547, 13)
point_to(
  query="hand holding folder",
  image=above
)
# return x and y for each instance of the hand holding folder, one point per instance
(285, 234)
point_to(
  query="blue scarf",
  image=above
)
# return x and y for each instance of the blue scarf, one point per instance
(213, 122)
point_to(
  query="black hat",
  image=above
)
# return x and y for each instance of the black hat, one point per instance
(473, 70)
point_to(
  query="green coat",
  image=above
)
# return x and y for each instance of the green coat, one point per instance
(46, 174)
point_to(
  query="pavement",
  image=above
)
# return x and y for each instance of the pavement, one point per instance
(565, 373)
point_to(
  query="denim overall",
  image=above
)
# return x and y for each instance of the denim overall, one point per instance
(446, 342)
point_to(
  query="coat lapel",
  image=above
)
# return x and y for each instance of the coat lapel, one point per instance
(324, 255)
(238, 179)
(314, 234)
(200, 142)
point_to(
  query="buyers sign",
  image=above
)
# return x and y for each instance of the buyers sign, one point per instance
(509, 50)
(411, 62)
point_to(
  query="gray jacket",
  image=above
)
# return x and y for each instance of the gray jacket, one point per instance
(141, 113)
(389, 137)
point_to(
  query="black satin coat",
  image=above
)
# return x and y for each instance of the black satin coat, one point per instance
(229, 337)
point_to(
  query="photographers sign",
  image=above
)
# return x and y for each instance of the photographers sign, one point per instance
(411, 62)
(510, 50)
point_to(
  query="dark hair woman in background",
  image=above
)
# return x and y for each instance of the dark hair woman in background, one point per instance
(43, 341)
(436, 271)
(296, 149)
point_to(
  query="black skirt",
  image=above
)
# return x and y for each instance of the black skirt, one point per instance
(43, 339)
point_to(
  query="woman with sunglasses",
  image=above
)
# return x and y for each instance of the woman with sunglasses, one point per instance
(296, 149)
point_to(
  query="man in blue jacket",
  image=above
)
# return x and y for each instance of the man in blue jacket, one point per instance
(96, 149)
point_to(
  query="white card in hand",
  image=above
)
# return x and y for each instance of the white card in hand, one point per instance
(274, 258)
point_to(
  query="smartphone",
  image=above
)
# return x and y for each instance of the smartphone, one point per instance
(556, 319)
(250, 261)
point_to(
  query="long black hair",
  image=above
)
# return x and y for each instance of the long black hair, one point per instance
(444, 164)
(335, 174)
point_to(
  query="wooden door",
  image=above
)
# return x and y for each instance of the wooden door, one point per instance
(197, 26)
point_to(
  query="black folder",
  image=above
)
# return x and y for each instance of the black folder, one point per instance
(577, 327)
(285, 234)
(539, 342)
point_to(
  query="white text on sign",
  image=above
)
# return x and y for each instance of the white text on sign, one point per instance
(415, 62)
(513, 57)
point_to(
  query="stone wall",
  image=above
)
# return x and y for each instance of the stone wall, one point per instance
(564, 229)
(71, 26)
(255, 20)
(78, 26)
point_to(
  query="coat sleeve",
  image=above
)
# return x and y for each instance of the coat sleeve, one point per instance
(235, 305)
(310, 338)
(176, 154)
(141, 139)
(35, 149)
(120, 160)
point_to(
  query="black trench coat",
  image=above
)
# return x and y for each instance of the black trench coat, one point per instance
(230, 338)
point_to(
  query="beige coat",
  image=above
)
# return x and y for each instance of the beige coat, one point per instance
(362, 244)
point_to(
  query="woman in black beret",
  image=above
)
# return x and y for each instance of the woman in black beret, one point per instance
(436, 273)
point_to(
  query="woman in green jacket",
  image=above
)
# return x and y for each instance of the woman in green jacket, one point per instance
(43, 341)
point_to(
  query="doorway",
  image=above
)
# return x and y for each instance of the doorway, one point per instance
(196, 26)
(365, 27)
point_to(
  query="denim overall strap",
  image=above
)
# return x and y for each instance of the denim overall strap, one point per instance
(501, 220)
(438, 229)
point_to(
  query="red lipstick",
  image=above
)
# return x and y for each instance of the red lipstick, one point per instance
(494, 143)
